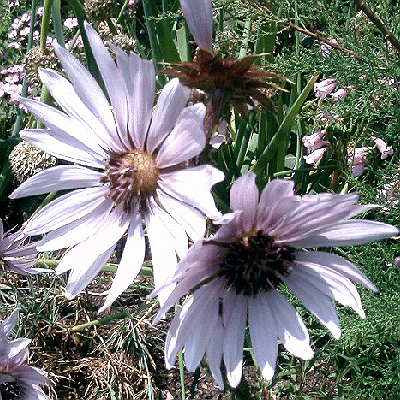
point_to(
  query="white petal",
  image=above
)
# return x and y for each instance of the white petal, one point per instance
(244, 197)
(66, 209)
(67, 130)
(188, 318)
(7, 326)
(193, 186)
(64, 94)
(234, 341)
(77, 231)
(61, 146)
(185, 141)
(87, 258)
(337, 264)
(214, 354)
(139, 76)
(189, 218)
(264, 337)
(290, 328)
(199, 340)
(90, 93)
(170, 103)
(163, 251)
(131, 261)
(315, 300)
(348, 233)
(333, 284)
(198, 14)
(113, 81)
(60, 177)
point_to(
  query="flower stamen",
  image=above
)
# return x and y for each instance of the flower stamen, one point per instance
(255, 263)
(130, 175)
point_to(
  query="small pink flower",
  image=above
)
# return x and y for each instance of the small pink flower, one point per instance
(315, 156)
(11, 78)
(71, 23)
(314, 142)
(36, 35)
(12, 34)
(17, 23)
(326, 50)
(340, 93)
(321, 89)
(357, 160)
(384, 149)
(24, 32)
(14, 45)
(26, 17)
(39, 11)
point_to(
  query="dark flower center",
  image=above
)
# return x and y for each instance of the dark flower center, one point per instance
(10, 391)
(255, 263)
(131, 175)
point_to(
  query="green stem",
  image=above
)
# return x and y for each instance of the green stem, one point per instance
(100, 321)
(45, 24)
(180, 363)
(57, 21)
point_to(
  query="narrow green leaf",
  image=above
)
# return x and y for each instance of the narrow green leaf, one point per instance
(283, 130)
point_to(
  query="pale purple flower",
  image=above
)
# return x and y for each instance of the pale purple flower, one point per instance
(325, 87)
(314, 141)
(14, 256)
(18, 381)
(383, 148)
(357, 160)
(26, 17)
(40, 11)
(198, 15)
(339, 94)
(24, 32)
(315, 156)
(12, 33)
(326, 49)
(129, 164)
(71, 23)
(14, 45)
(254, 252)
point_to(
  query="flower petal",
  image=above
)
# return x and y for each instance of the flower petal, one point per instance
(139, 77)
(234, 340)
(347, 233)
(171, 101)
(189, 218)
(198, 14)
(185, 141)
(264, 337)
(315, 300)
(131, 261)
(247, 204)
(60, 177)
(90, 93)
(193, 186)
(65, 209)
(113, 81)
(64, 94)
(290, 328)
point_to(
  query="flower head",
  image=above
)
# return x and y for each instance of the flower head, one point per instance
(229, 82)
(17, 258)
(18, 381)
(130, 163)
(239, 270)
(326, 86)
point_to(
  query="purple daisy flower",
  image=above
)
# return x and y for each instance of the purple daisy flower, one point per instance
(18, 381)
(239, 269)
(130, 163)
